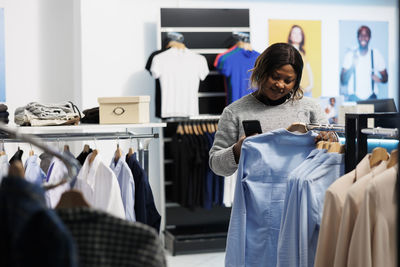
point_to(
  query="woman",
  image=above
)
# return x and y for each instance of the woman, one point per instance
(296, 38)
(277, 102)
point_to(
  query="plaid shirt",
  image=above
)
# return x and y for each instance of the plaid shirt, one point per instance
(105, 240)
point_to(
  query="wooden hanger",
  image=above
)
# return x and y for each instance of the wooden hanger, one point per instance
(175, 44)
(179, 129)
(377, 156)
(297, 127)
(326, 145)
(215, 126)
(244, 45)
(199, 129)
(320, 145)
(71, 199)
(393, 158)
(93, 156)
(195, 130)
(204, 127)
(336, 147)
(16, 169)
(117, 154)
(86, 148)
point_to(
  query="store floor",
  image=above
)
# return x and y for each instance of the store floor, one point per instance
(196, 260)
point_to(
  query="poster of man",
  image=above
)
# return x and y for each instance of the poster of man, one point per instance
(305, 36)
(364, 55)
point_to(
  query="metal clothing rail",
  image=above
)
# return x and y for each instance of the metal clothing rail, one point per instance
(326, 127)
(71, 163)
(143, 140)
(388, 132)
(194, 118)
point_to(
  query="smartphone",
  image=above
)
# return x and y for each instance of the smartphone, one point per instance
(251, 127)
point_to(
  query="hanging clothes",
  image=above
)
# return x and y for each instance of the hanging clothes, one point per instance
(45, 161)
(17, 155)
(256, 215)
(374, 242)
(298, 235)
(4, 165)
(332, 213)
(126, 185)
(236, 66)
(83, 155)
(104, 240)
(145, 209)
(180, 72)
(100, 187)
(57, 172)
(30, 233)
(354, 198)
(33, 172)
(157, 96)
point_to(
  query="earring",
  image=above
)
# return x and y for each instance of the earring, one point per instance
(281, 91)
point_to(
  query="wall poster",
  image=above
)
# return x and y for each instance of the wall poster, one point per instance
(305, 35)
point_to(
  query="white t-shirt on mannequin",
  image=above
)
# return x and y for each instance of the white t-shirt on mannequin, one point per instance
(180, 72)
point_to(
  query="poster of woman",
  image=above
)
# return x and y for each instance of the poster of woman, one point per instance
(305, 35)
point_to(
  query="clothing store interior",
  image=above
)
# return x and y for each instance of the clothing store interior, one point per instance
(199, 133)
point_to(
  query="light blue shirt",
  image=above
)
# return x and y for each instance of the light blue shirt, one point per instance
(127, 186)
(291, 204)
(300, 227)
(265, 163)
(33, 172)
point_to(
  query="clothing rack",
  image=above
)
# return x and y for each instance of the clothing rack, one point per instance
(356, 132)
(71, 163)
(325, 127)
(13, 135)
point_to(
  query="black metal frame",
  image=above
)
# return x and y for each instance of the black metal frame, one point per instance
(356, 141)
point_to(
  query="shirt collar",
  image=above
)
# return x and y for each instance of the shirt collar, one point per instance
(363, 167)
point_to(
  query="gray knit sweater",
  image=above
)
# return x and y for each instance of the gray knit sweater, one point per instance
(230, 128)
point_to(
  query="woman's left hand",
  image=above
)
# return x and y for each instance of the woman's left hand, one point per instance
(326, 136)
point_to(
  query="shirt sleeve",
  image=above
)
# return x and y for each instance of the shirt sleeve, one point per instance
(360, 246)
(222, 160)
(379, 62)
(348, 60)
(156, 67)
(203, 68)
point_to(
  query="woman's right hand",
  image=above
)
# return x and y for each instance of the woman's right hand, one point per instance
(237, 148)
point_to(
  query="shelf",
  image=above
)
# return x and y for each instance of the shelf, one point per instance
(85, 127)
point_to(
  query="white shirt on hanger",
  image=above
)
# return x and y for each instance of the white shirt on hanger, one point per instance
(180, 72)
(100, 187)
(57, 171)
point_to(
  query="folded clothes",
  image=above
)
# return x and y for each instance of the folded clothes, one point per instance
(36, 114)
(4, 114)
(3, 107)
(91, 115)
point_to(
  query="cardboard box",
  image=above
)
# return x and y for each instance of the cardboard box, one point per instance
(123, 110)
(359, 109)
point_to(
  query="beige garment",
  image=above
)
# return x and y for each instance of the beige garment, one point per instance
(373, 242)
(354, 198)
(332, 213)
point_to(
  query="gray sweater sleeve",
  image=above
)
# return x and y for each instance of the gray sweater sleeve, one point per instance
(222, 160)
